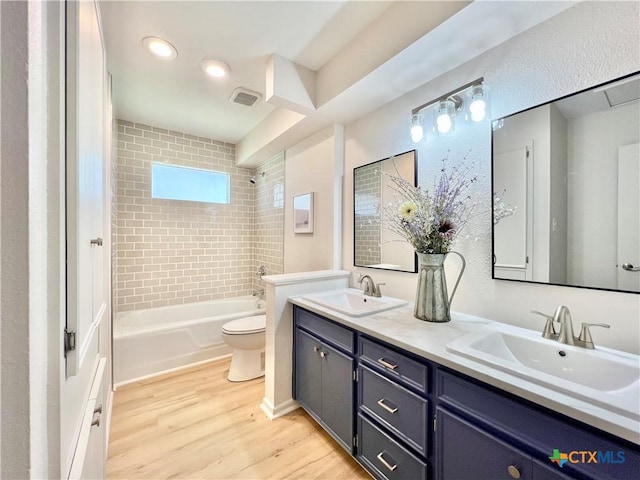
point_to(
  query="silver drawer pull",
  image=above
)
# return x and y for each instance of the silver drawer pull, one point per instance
(385, 463)
(387, 407)
(388, 365)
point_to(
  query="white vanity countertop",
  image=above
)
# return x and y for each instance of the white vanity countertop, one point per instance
(429, 340)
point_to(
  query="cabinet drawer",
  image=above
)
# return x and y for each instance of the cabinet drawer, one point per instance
(384, 457)
(405, 369)
(340, 336)
(403, 412)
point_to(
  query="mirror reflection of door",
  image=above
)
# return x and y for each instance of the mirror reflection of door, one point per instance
(512, 178)
(629, 218)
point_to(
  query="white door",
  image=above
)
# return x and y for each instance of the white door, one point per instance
(85, 210)
(628, 261)
(513, 235)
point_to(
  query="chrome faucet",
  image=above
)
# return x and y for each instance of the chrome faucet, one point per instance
(369, 287)
(259, 293)
(565, 336)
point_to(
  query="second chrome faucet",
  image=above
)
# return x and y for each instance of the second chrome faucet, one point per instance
(369, 287)
(565, 335)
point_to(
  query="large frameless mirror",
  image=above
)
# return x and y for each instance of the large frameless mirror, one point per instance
(373, 245)
(566, 183)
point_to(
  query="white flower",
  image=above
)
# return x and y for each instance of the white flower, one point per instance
(408, 210)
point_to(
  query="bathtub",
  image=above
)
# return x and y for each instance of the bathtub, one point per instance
(157, 340)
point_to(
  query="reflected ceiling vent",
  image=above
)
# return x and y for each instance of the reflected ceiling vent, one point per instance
(245, 97)
(623, 92)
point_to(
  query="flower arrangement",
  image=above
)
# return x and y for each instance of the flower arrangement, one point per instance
(431, 220)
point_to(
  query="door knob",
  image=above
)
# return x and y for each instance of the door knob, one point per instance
(630, 268)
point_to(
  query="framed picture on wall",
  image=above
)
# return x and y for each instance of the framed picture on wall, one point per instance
(303, 213)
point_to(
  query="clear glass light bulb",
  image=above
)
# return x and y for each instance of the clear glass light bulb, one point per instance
(416, 133)
(444, 123)
(478, 110)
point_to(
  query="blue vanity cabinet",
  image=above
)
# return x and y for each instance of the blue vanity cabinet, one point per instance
(465, 452)
(483, 432)
(324, 371)
(408, 418)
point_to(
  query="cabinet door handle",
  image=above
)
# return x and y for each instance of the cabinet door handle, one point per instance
(386, 364)
(385, 463)
(387, 407)
(96, 241)
(513, 471)
(315, 348)
(323, 354)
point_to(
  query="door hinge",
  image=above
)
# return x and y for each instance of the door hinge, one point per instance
(435, 423)
(527, 149)
(69, 341)
(355, 375)
(355, 440)
(527, 259)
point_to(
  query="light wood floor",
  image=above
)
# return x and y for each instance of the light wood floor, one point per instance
(196, 424)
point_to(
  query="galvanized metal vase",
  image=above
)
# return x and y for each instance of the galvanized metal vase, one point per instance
(432, 302)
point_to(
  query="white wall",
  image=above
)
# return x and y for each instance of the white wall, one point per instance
(585, 45)
(558, 198)
(309, 167)
(15, 426)
(593, 166)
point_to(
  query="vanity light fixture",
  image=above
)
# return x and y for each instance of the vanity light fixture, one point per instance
(449, 106)
(214, 68)
(160, 48)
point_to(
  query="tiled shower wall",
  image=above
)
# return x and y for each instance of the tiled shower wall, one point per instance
(367, 219)
(269, 210)
(169, 251)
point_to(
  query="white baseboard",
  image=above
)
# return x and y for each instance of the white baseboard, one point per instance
(272, 412)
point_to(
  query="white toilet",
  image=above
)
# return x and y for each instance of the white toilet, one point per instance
(247, 338)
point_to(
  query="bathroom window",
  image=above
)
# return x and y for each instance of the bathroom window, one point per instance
(190, 184)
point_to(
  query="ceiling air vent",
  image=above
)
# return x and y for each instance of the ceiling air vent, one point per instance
(245, 97)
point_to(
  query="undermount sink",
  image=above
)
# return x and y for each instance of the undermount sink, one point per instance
(602, 376)
(352, 302)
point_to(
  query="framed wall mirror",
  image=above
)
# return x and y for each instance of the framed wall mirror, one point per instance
(373, 245)
(566, 183)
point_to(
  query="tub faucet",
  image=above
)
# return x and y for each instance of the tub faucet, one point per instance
(259, 293)
(369, 287)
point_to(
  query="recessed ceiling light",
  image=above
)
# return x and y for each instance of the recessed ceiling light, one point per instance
(215, 68)
(160, 48)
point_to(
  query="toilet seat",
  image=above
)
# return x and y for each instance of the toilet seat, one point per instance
(246, 325)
